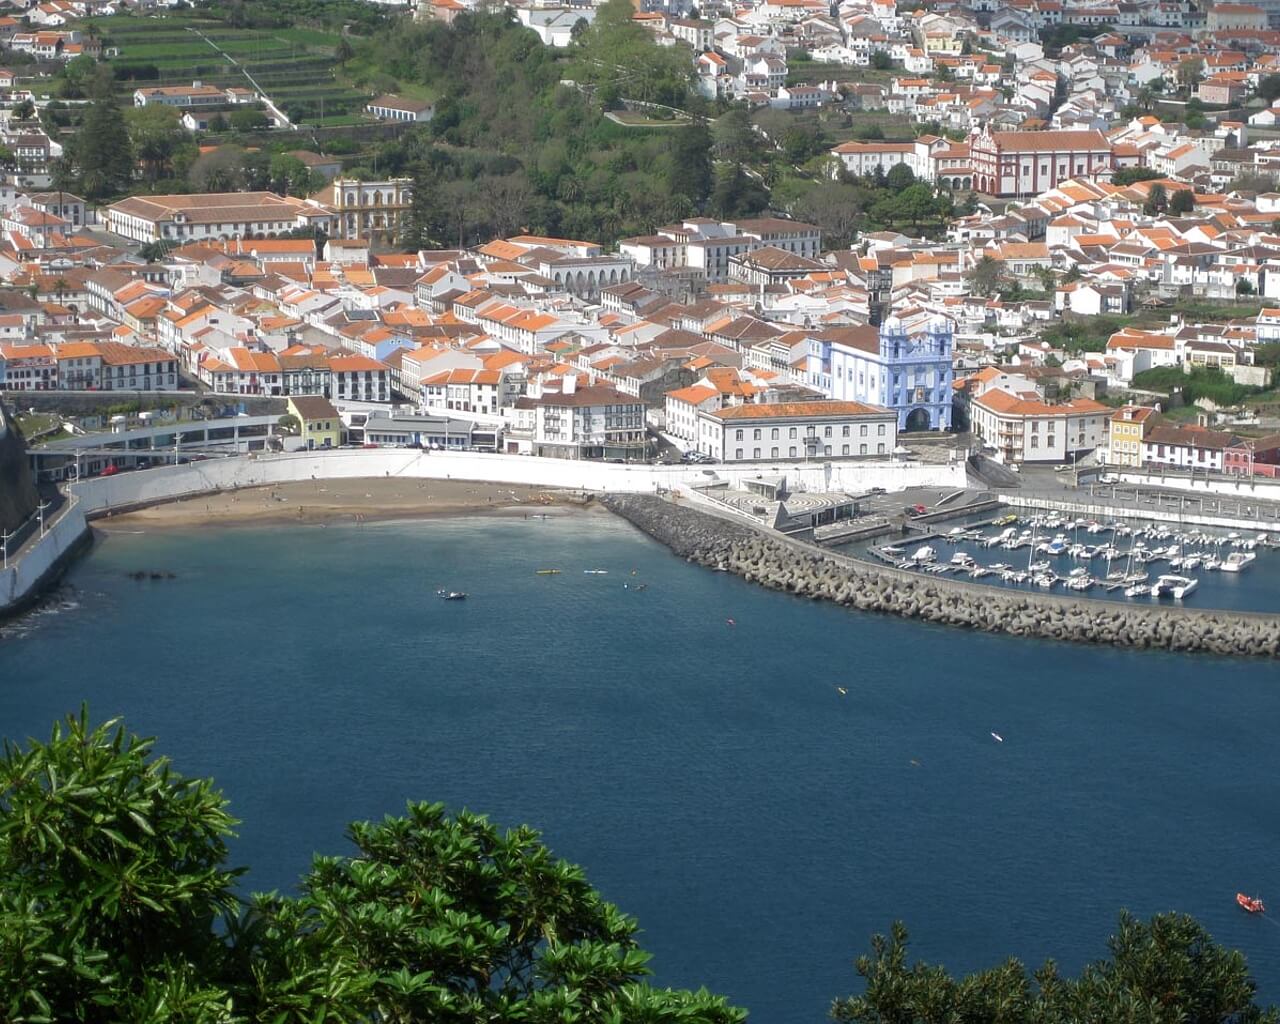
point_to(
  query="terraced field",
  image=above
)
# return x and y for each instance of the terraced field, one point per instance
(294, 66)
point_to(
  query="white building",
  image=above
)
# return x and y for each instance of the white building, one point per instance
(192, 218)
(909, 374)
(701, 243)
(797, 430)
(398, 108)
(594, 422)
(1028, 430)
(683, 406)
(194, 95)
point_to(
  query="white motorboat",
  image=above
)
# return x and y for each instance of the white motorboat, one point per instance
(924, 554)
(1237, 561)
(1176, 587)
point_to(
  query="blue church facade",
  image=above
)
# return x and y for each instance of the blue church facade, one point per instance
(910, 374)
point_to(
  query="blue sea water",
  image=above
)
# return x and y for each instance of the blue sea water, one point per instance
(709, 777)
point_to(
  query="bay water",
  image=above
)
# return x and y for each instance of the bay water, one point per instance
(686, 743)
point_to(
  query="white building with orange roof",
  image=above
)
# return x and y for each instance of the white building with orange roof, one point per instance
(134, 368)
(1026, 429)
(682, 408)
(465, 390)
(1137, 351)
(796, 430)
(1268, 325)
(1028, 163)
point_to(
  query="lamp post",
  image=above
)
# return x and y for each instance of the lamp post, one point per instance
(4, 544)
(40, 508)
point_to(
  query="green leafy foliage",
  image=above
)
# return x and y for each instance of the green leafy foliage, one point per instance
(1202, 382)
(116, 905)
(111, 877)
(450, 919)
(1128, 175)
(1085, 334)
(506, 127)
(1267, 355)
(1167, 971)
(99, 159)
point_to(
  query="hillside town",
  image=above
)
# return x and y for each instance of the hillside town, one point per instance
(1106, 286)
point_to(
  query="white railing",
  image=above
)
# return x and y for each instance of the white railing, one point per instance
(24, 570)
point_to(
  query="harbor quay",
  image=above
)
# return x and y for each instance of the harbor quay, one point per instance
(767, 535)
(716, 540)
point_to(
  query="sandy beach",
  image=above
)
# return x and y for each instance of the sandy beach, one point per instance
(358, 500)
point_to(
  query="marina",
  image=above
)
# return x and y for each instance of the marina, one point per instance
(594, 741)
(1122, 560)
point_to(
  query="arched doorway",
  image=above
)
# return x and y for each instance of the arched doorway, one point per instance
(917, 419)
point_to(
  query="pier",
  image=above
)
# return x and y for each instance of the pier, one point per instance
(781, 563)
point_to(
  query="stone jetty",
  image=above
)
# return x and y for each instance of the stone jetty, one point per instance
(796, 568)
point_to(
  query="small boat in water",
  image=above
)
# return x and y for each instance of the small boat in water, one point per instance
(451, 595)
(546, 572)
(1176, 587)
(1237, 561)
(1253, 904)
(595, 572)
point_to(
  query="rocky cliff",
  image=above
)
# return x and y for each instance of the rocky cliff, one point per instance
(17, 489)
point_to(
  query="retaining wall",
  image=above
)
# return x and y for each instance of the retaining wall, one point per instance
(796, 568)
(100, 495)
(43, 561)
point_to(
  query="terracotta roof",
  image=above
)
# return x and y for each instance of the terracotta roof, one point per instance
(798, 410)
(1003, 403)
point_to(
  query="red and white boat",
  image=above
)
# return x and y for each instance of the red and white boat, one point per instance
(1250, 903)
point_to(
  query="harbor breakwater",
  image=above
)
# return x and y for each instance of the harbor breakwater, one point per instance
(796, 568)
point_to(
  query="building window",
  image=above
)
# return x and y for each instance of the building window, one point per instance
(880, 449)
(880, 430)
(755, 453)
(738, 437)
(755, 435)
(774, 435)
(791, 452)
(773, 453)
(862, 449)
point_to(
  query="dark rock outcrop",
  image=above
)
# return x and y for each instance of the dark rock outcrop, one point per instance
(17, 489)
(805, 571)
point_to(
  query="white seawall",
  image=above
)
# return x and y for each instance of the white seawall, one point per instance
(102, 495)
(149, 486)
(42, 559)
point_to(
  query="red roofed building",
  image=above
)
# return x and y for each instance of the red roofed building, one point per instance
(1029, 430)
(464, 390)
(797, 430)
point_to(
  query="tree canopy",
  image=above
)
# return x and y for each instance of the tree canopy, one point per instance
(1166, 971)
(117, 904)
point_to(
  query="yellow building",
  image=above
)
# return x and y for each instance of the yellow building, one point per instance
(1129, 426)
(321, 426)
